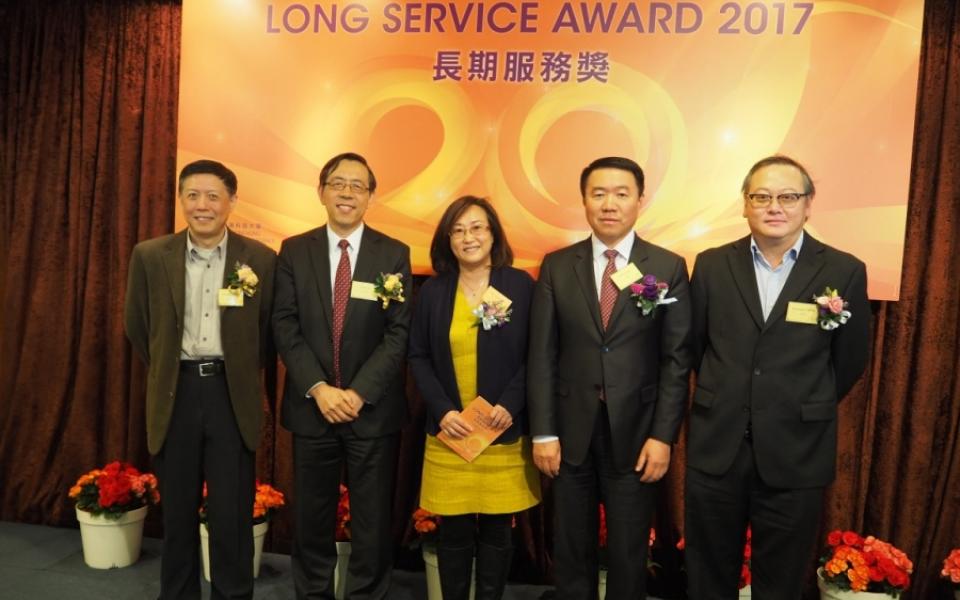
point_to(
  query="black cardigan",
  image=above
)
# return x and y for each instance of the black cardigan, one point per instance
(501, 351)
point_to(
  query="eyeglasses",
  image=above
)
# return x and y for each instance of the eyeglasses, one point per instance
(475, 230)
(355, 186)
(786, 200)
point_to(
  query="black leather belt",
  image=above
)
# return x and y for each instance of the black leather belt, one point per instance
(203, 368)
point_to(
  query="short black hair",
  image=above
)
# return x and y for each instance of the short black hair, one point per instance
(334, 162)
(441, 256)
(612, 162)
(780, 159)
(209, 167)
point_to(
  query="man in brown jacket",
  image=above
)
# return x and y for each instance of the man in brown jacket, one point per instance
(197, 310)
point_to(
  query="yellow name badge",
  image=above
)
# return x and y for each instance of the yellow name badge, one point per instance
(494, 297)
(626, 276)
(230, 297)
(362, 290)
(802, 312)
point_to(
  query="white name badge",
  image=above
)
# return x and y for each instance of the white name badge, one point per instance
(802, 312)
(362, 290)
(230, 297)
(626, 276)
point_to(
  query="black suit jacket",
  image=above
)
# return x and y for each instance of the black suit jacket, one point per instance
(640, 362)
(501, 351)
(374, 338)
(783, 378)
(153, 319)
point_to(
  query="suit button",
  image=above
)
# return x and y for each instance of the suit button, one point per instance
(745, 409)
(756, 371)
(605, 349)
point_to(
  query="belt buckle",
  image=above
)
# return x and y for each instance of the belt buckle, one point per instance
(207, 369)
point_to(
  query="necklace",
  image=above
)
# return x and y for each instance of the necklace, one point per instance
(475, 292)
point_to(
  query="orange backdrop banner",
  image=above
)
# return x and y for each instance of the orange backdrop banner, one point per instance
(510, 100)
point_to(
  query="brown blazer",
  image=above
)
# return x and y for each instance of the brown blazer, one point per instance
(153, 317)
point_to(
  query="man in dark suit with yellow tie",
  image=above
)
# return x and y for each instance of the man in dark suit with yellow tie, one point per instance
(780, 337)
(341, 326)
(607, 382)
(197, 311)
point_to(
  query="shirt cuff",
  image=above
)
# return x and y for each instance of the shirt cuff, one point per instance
(542, 439)
(307, 395)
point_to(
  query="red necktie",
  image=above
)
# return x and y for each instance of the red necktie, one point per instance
(608, 291)
(341, 294)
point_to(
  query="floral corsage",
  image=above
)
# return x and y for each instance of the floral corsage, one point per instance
(832, 308)
(650, 293)
(387, 287)
(492, 314)
(243, 278)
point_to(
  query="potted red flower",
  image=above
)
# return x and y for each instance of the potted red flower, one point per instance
(951, 571)
(858, 568)
(266, 501)
(111, 506)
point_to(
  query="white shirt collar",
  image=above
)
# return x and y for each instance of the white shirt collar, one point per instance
(333, 240)
(624, 247)
(221, 246)
(792, 252)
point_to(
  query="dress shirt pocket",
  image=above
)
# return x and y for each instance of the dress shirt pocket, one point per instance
(818, 411)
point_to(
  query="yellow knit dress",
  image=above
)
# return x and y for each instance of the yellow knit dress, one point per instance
(503, 479)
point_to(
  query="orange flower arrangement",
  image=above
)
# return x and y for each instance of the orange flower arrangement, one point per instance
(266, 501)
(115, 489)
(951, 568)
(852, 562)
(425, 523)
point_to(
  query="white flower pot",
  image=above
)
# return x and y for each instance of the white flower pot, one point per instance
(108, 544)
(828, 592)
(745, 592)
(340, 572)
(602, 585)
(433, 574)
(956, 594)
(259, 531)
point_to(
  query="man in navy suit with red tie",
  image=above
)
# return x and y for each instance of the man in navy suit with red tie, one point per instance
(342, 337)
(772, 363)
(607, 379)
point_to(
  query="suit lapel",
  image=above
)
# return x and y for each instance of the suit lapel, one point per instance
(366, 268)
(741, 267)
(583, 267)
(175, 265)
(320, 257)
(809, 262)
(638, 255)
(236, 254)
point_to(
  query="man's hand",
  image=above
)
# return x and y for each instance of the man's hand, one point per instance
(500, 418)
(334, 404)
(546, 455)
(455, 426)
(654, 460)
(356, 401)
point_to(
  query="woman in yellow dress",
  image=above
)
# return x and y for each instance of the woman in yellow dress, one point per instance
(466, 342)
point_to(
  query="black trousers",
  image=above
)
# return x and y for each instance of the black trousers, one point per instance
(629, 508)
(203, 442)
(783, 527)
(371, 467)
